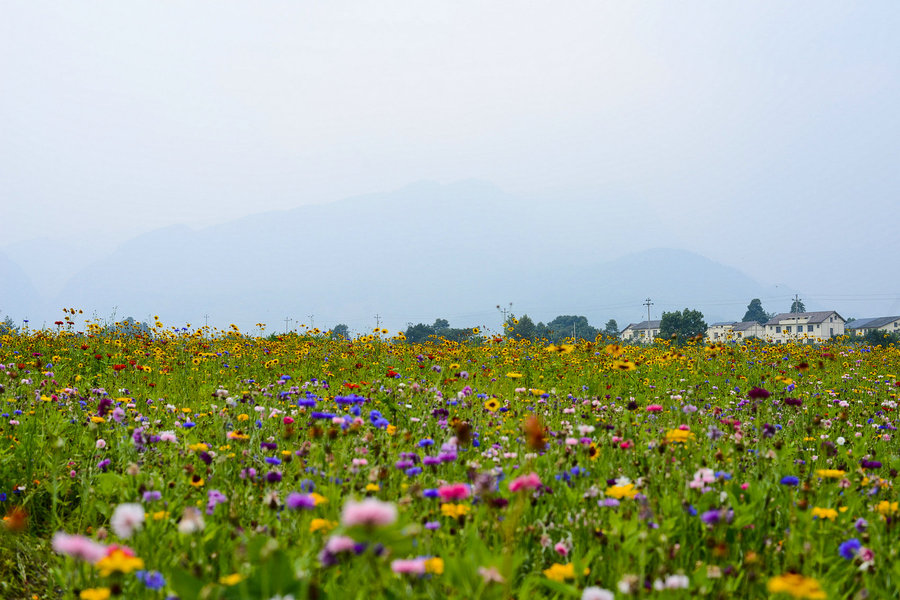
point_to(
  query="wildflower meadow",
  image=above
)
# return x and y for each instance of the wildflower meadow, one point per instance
(215, 464)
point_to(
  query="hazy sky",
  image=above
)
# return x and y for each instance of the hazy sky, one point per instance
(765, 135)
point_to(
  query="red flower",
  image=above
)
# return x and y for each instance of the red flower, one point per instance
(118, 368)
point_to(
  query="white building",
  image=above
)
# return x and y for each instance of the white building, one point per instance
(735, 332)
(806, 326)
(863, 326)
(644, 332)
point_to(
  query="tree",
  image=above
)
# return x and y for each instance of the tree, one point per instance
(566, 326)
(416, 334)
(611, 329)
(797, 306)
(755, 312)
(340, 331)
(680, 326)
(521, 329)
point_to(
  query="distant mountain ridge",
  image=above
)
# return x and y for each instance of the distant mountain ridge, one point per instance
(422, 252)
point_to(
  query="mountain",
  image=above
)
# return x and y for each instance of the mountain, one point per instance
(423, 252)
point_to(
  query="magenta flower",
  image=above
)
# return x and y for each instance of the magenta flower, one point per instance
(453, 491)
(528, 482)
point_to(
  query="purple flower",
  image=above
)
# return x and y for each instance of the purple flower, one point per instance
(711, 517)
(151, 495)
(296, 501)
(103, 464)
(758, 393)
(273, 476)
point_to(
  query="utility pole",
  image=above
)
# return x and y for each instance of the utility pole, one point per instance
(312, 321)
(648, 304)
(377, 321)
(286, 319)
(504, 311)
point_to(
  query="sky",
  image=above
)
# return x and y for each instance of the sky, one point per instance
(764, 135)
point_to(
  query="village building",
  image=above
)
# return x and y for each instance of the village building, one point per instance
(644, 332)
(861, 327)
(804, 327)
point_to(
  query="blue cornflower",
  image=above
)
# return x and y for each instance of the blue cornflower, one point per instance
(789, 480)
(153, 580)
(849, 548)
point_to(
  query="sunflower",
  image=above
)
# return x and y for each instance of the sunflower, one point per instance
(492, 405)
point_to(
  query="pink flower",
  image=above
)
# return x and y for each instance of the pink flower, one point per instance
(453, 491)
(529, 482)
(288, 421)
(415, 566)
(561, 549)
(78, 546)
(167, 436)
(126, 519)
(101, 444)
(654, 408)
(371, 512)
(339, 543)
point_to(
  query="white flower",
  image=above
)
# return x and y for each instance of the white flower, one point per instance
(191, 521)
(596, 593)
(126, 519)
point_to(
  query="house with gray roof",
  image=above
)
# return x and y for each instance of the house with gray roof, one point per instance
(644, 332)
(804, 327)
(735, 331)
(861, 327)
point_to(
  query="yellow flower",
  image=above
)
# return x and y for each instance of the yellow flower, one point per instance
(391, 429)
(372, 487)
(160, 515)
(887, 508)
(678, 436)
(96, 419)
(197, 481)
(199, 447)
(622, 491)
(559, 572)
(237, 435)
(321, 524)
(94, 594)
(243, 417)
(492, 405)
(318, 498)
(434, 565)
(233, 579)
(455, 510)
(119, 561)
(825, 513)
(796, 585)
(513, 375)
(624, 365)
(830, 473)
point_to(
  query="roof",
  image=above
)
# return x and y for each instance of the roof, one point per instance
(871, 322)
(722, 324)
(811, 317)
(745, 325)
(642, 325)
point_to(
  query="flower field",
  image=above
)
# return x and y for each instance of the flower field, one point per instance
(235, 466)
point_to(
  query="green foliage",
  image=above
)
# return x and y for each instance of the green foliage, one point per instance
(420, 333)
(565, 327)
(756, 313)
(797, 306)
(340, 331)
(611, 329)
(521, 328)
(681, 326)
